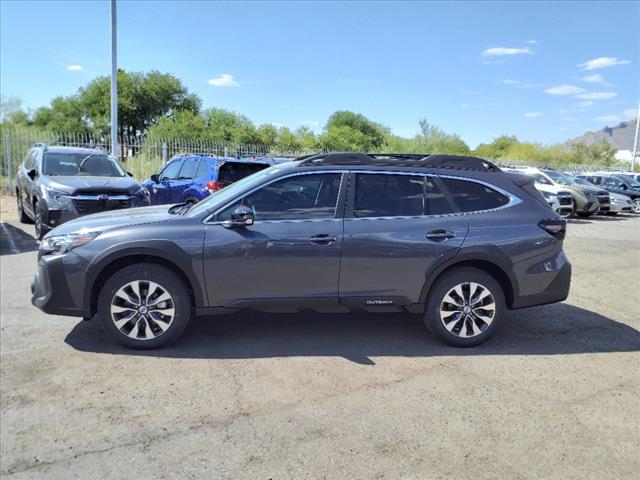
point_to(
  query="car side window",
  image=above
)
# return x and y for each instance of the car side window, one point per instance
(188, 170)
(171, 171)
(472, 196)
(303, 197)
(437, 202)
(386, 195)
(612, 182)
(202, 170)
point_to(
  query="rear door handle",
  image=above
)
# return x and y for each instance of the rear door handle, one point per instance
(322, 238)
(440, 235)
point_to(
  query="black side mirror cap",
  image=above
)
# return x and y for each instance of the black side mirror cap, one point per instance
(241, 217)
(154, 178)
(32, 174)
(129, 173)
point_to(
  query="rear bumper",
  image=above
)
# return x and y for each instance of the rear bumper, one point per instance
(557, 291)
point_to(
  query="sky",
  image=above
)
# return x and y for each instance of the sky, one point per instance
(543, 71)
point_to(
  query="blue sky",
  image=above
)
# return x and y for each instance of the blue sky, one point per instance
(542, 71)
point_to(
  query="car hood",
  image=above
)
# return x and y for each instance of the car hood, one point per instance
(619, 197)
(71, 184)
(101, 222)
(586, 188)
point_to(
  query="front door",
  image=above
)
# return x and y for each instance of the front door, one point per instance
(161, 191)
(396, 226)
(290, 256)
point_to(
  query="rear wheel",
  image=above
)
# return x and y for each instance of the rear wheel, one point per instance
(144, 306)
(465, 307)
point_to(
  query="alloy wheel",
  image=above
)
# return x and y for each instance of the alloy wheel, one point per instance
(636, 205)
(467, 309)
(38, 221)
(142, 310)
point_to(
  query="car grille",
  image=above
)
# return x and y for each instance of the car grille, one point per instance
(564, 198)
(85, 206)
(604, 199)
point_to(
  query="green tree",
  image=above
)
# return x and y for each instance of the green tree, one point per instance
(349, 131)
(65, 114)
(229, 127)
(12, 113)
(182, 125)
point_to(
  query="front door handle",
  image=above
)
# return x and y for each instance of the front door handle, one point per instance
(322, 239)
(440, 235)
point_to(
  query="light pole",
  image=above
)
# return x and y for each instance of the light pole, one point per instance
(114, 82)
(635, 140)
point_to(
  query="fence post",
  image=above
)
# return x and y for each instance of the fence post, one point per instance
(9, 163)
(226, 151)
(165, 150)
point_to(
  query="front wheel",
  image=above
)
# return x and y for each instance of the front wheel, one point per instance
(144, 306)
(465, 307)
(636, 205)
(37, 220)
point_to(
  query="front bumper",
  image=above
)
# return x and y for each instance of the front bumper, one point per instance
(557, 291)
(58, 300)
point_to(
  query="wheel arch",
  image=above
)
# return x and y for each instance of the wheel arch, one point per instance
(492, 263)
(109, 265)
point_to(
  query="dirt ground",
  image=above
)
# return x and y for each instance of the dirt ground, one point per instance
(555, 394)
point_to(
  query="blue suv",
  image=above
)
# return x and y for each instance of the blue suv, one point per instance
(191, 178)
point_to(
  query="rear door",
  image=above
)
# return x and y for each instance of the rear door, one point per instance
(396, 227)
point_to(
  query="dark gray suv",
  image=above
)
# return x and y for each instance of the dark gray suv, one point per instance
(452, 238)
(55, 184)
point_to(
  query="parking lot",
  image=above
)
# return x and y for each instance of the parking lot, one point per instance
(252, 395)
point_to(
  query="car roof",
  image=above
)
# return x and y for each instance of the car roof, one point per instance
(65, 149)
(220, 160)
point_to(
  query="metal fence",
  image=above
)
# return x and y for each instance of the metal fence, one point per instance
(140, 156)
(145, 156)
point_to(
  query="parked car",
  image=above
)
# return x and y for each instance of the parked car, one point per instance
(559, 199)
(452, 238)
(56, 184)
(620, 204)
(587, 200)
(617, 184)
(191, 178)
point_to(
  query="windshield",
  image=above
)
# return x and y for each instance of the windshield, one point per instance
(228, 193)
(630, 182)
(77, 164)
(560, 178)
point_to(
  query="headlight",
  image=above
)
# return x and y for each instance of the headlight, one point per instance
(57, 200)
(59, 244)
(614, 200)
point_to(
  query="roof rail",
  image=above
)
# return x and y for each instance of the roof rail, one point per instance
(39, 145)
(399, 159)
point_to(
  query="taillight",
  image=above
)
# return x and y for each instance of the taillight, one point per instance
(556, 227)
(213, 186)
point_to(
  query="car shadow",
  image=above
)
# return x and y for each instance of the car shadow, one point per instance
(13, 240)
(559, 329)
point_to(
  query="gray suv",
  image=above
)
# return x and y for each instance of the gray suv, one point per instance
(56, 184)
(454, 239)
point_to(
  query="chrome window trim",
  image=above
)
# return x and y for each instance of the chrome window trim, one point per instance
(207, 221)
(513, 199)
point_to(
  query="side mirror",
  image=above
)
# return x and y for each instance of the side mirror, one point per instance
(623, 186)
(154, 178)
(241, 217)
(32, 174)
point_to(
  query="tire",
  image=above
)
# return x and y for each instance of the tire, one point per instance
(191, 200)
(584, 214)
(478, 326)
(37, 220)
(130, 319)
(21, 215)
(636, 205)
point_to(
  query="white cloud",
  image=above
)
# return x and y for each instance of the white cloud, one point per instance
(533, 114)
(75, 68)
(511, 82)
(565, 90)
(607, 118)
(466, 105)
(595, 78)
(631, 113)
(500, 51)
(602, 62)
(532, 42)
(586, 103)
(597, 95)
(224, 80)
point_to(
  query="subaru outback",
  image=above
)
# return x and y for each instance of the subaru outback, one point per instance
(454, 239)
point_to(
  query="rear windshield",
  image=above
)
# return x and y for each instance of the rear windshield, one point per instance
(230, 172)
(81, 164)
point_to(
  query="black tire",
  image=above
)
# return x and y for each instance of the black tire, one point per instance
(169, 283)
(436, 299)
(584, 214)
(21, 214)
(37, 220)
(191, 200)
